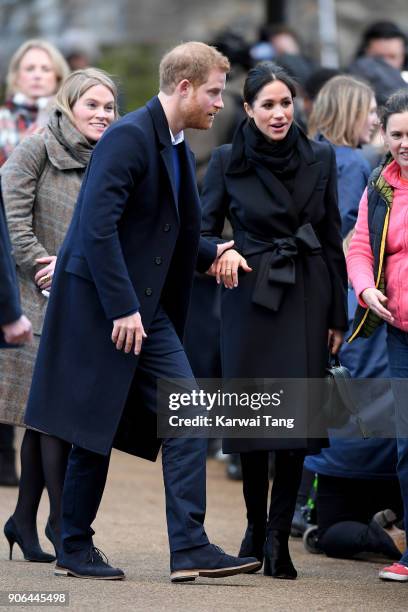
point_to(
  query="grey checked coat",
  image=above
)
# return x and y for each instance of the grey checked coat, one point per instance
(40, 185)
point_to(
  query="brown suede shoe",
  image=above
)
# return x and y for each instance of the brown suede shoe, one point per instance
(386, 519)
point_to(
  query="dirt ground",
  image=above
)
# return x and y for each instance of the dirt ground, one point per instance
(130, 529)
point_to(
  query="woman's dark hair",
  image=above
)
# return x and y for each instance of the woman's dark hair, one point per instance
(262, 74)
(396, 103)
(269, 30)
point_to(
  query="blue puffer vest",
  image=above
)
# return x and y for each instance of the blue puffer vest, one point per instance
(380, 196)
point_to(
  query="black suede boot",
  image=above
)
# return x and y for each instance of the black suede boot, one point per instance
(254, 540)
(255, 488)
(278, 563)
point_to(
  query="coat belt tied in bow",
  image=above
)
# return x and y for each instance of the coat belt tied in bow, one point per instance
(277, 266)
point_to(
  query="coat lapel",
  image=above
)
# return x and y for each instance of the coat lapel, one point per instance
(307, 176)
(161, 127)
(167, 156)
(189, 200)
(281, 200)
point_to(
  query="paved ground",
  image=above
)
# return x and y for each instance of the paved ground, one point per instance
(131, 530)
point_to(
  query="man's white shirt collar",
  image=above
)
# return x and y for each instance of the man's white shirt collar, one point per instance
(178, 138)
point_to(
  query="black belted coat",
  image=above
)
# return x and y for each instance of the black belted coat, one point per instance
(275, 323)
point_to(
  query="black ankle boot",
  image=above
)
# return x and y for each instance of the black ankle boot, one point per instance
(278, 563)
(253, 543)
(8, 474)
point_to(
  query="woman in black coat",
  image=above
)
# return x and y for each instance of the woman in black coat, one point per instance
(287, 272)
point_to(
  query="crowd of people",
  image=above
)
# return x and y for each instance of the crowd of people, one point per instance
(298, 242)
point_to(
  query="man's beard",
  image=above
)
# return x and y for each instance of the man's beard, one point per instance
(195, 117)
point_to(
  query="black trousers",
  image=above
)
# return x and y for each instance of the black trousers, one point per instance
(6, 437)
(255, 475)
(345, 507)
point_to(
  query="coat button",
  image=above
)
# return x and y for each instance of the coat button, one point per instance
(166, 227)
(148, 291)
(158, 261)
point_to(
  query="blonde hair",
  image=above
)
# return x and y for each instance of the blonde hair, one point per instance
(192, 61)
(78, 83)
(60, 66)
(340, 110)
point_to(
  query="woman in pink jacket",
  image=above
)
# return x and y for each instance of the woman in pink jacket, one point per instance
(377, 264)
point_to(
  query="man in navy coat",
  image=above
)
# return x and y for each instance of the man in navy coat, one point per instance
(116, 317)
(15, 328)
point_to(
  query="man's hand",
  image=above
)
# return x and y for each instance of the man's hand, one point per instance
(128, 331)
(43, 278)
(18, 332)
(376, 301)
(335, 340)
(224, 246)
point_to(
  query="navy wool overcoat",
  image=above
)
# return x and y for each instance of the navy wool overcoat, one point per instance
(131, 244)
(10, 308)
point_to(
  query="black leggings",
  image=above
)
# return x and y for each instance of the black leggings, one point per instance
(43, 462)
(255, 475)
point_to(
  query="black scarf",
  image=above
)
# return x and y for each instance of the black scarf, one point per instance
(282, 157)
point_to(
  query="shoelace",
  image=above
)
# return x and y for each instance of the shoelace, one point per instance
(219, 549)
(95, 554)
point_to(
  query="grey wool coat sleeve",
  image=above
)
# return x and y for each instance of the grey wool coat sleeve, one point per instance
(20, 181)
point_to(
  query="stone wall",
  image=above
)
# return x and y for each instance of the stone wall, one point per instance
(352, 18)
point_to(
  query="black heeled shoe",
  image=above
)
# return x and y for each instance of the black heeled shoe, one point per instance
(33, 553)
(278, 563)
(52, 536)
(253, 543)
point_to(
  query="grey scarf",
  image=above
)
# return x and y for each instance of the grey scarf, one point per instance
(77, 145)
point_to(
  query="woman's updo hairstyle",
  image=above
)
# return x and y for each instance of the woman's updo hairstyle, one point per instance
(262, 74)
(396, 103)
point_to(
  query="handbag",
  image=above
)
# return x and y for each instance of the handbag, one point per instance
(340, 406)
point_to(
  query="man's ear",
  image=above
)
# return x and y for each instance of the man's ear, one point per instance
(184, 87)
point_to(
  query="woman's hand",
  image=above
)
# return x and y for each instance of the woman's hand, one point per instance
(376, 301)
(43, 278)
(225, 268)
(335, 340)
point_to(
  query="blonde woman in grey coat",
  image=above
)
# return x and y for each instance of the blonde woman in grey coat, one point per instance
(40, 184)
(35, 73)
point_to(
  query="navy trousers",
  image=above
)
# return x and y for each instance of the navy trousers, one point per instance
(397, 344)
(183, 459)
